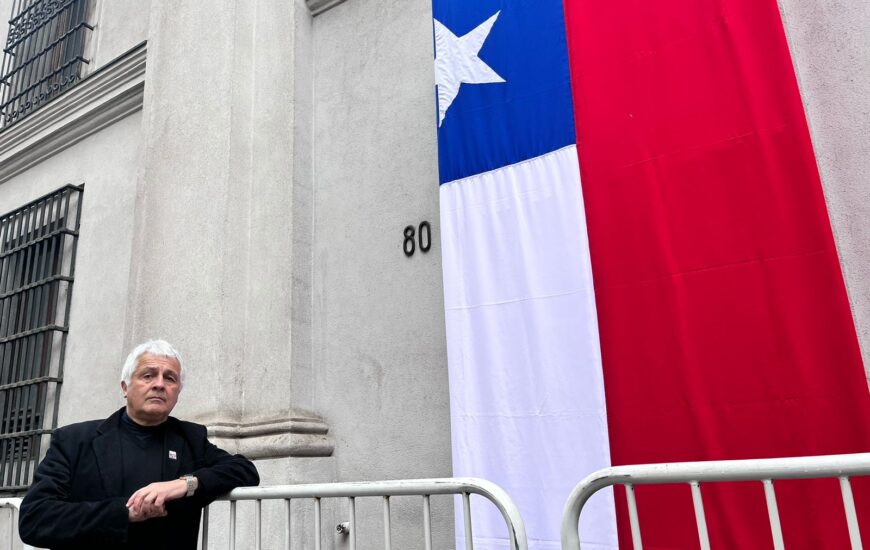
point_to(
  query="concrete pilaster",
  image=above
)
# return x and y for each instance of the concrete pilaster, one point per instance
(216, 222)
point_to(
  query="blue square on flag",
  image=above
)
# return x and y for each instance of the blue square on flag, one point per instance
(504, 89)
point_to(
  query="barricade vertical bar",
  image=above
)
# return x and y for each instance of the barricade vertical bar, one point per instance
(258, 520)
(205, 528)
(427, 523)
(466, 515)
(773, 514)
(632, 517)
(351, 502)
(851, 516)
(388, 535)
(287, 530)
(232, 542)
(700, 518)
(316, 524)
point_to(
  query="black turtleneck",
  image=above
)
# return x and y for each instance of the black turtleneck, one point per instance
(145, 434)
(142, 453)
(142, 449)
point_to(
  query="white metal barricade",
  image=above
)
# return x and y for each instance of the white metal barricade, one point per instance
(351, 491)
(763, 470)
(14, 505)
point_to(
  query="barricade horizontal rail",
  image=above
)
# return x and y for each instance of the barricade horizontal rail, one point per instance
(423, 488)
(765, 471)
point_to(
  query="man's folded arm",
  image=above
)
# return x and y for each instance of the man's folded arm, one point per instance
(222, 473)
(48, 518)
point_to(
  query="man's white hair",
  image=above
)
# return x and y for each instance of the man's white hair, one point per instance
(160, 348)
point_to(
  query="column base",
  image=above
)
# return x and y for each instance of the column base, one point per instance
(273, 438)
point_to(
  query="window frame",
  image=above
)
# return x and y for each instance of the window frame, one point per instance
(38, 243)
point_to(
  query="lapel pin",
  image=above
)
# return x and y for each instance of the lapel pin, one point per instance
(172, 455)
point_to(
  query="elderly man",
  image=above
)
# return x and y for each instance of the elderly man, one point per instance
(138, 479)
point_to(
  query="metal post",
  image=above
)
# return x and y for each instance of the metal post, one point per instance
(317, 524)
(632, 517)
(773, 514)
(205, 528)
(851, 516)
(351, 502)
(232, 541)
(388, 535)
(427, 523)
(258, 520)
(287, 530)
(466, 517)
(700, 518)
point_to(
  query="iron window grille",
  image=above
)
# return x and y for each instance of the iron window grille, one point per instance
(44, 54)
(37, 267)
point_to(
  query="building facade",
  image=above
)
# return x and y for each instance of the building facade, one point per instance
(237, 178)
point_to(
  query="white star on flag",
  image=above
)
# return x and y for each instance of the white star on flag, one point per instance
(456, 62)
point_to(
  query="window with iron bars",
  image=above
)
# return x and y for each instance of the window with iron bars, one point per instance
(44, 54)
(37, 266)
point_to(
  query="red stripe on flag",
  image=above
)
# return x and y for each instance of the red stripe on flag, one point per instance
(725, 326)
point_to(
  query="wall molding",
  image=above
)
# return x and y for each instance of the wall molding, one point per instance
(319, 6)
(279, 438)
(105, 96)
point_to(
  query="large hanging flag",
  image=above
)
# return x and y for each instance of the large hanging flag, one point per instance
(718, 322)
(526, 387)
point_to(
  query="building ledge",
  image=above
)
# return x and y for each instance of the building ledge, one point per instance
(297, 436)
(102, 98)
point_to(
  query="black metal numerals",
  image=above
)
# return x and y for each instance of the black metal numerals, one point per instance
(419, 237)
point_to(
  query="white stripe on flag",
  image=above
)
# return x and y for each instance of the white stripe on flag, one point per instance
(526, 387)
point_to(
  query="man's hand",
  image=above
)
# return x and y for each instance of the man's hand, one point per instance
(148, 502)
(136, 515)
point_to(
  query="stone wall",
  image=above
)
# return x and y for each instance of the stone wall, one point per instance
(829, 46)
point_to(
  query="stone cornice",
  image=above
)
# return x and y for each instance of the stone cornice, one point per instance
(319, 6)
(109, 94)
(295, 436)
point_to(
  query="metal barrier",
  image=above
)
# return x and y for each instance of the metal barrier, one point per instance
(383, 489)
(14, 505)
(764, 470)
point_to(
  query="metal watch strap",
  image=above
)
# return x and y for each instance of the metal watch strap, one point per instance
(191, 487)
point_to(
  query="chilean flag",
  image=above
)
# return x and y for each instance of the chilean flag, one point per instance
(683, 300)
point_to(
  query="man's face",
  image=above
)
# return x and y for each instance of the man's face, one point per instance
(153, 389)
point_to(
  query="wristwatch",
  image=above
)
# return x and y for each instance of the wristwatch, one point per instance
(192, 484)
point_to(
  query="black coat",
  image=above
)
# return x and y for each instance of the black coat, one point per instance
(76, 500)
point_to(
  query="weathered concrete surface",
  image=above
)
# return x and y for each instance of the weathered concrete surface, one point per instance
(214, 207)
(106, 163)
(378, 343)
(379, 339)
(830, 46)
(253, 214)
(119, 26)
